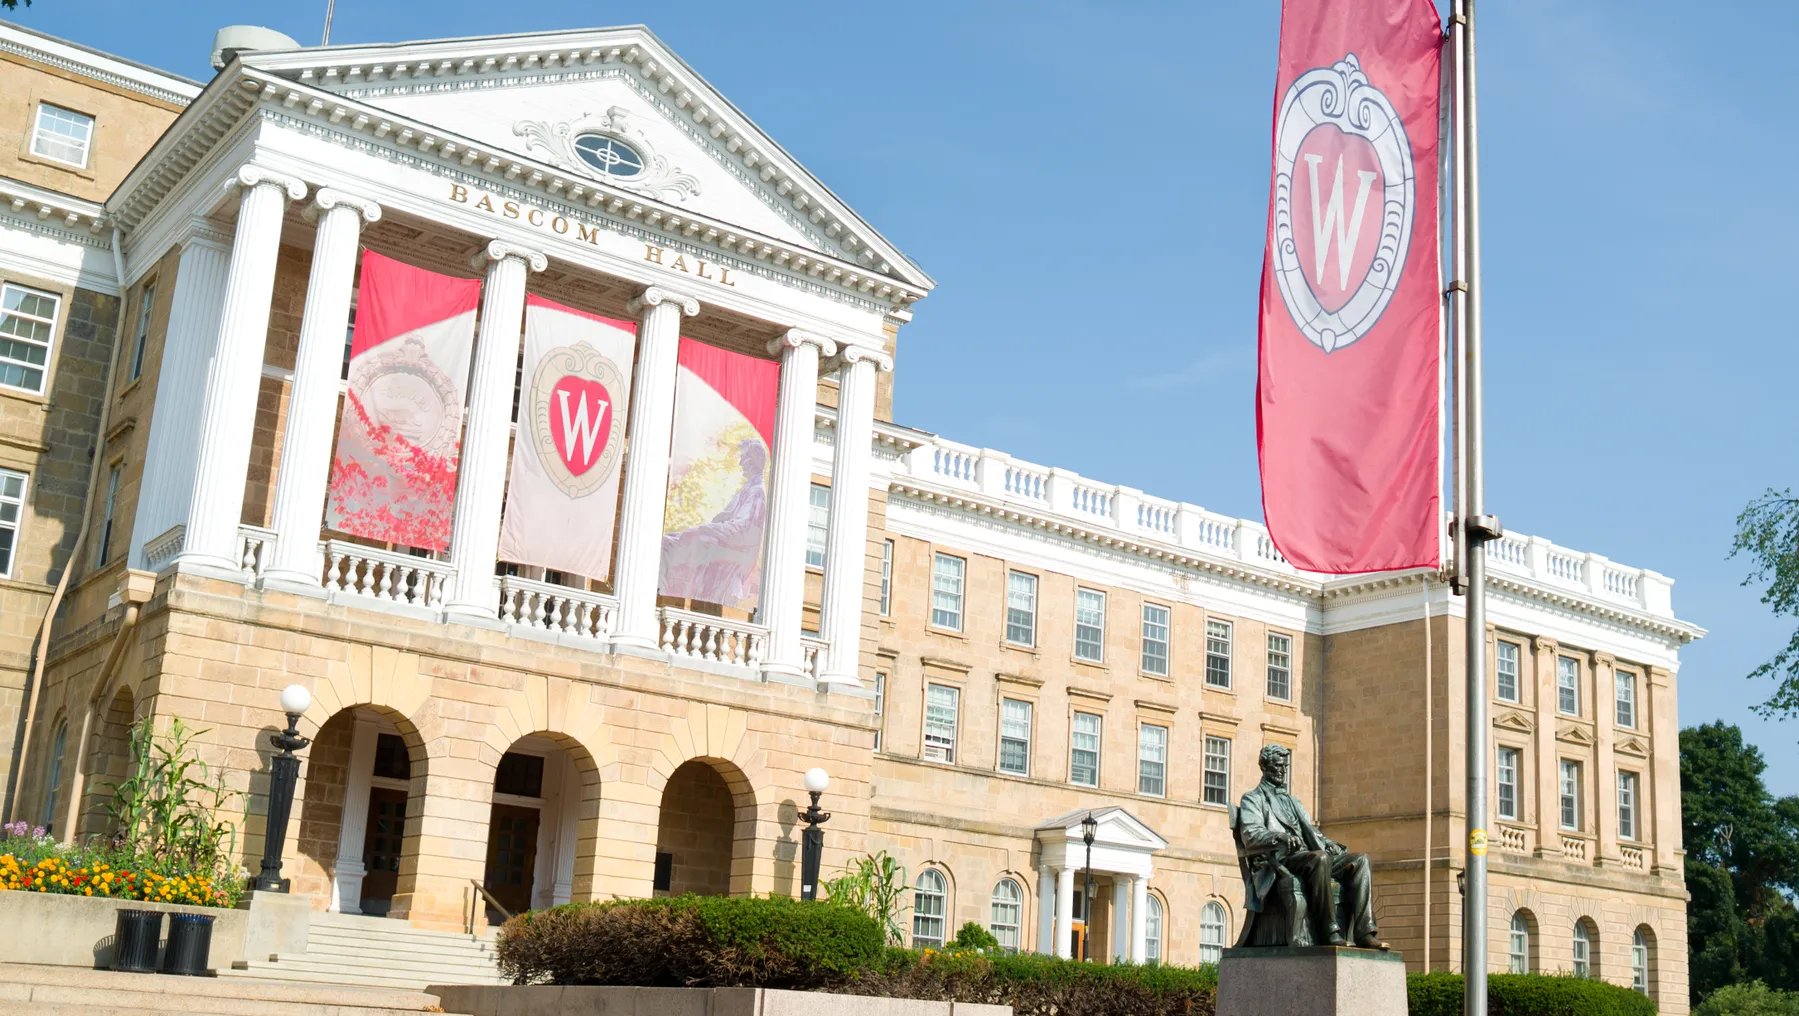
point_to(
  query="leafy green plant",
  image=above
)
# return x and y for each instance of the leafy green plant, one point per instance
(874, 885)
(1036, 985)
(166, 810)
(1752, 999)
(972, 936)
(1439, 994)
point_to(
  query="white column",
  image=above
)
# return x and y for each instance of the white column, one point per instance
(1046, 910)
(352, 827)
(1065, 913)
(481, 485)
(1121, 904)
(846, 542)
(651, 427)
(790, 498)
(1140, 919)
(228, 412)
(312, 405)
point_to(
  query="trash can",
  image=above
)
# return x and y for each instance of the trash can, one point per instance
(190, 945)
(134, 940)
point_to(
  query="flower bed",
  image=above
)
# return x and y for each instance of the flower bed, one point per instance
(32, 862)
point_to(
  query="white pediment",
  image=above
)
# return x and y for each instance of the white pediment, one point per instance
(1121, 842)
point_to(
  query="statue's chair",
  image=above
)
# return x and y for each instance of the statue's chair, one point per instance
(1282, 920)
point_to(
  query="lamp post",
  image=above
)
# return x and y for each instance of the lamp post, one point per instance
(1089, 826)
(284, 772)
(812, 841)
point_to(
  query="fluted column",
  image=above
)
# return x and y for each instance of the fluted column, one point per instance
(1065, 913)
(846, 540)
(790, 498)
(481, 480)
(1140, 920)
(645, 493)
(312, 404)
(1046, 910)
(228, 411)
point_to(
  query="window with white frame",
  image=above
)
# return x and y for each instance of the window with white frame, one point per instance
(818, 525)
(1152, 929)
(1155, 639)
(12, 508)
(1089, 625)
(62, 134)
(1627, 698)
(1218, 770)
(946, 591)
(1280, 666)
(1567, 685)
(58, 745)
(27, 326)
(1083, 755)
(886, 577)
(146, 303)
(1007, 914)
(1570, 794)
(941, 706)
(1627, 805)
(929, 896)
(880, 708)
(104, 548)
(1583, 950)
(1211, 932)
(1520, 942)
(1015, 736)
(1508, 783)
(1021, 608)
(1152, 760)
(1639, 961)
(1218, 653)
(1505, 675)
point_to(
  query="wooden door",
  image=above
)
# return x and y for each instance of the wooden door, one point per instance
(512, 856)
(381, 842)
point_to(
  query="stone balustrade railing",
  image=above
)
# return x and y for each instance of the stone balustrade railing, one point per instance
(713, 639)
(1634, 858)
(1514, 839)
(1576, 848)
(1541, 561)
(563, 610)
(813, 654)
(254, 545)
(384, 575)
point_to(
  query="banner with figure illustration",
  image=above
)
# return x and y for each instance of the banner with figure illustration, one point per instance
(718, 476)
(574, 390)
(393, 475)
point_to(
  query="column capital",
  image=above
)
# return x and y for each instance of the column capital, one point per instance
(1604, 659)
(848, 354)
(250, 175)
(327, 198)
(1545, 644)
(793, 338)
(655, 295)
(202, 231)
(500, 250)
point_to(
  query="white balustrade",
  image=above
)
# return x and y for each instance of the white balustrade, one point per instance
(1510, 549)
(714, 639)
(1620, 582)
(1566, 566)
(812, 651)
(1265, 548)
(954, 463)
(564, 610)
(384, 575)
(254, 547)
(1026, 484)
(1155, 516)
(1092, 500)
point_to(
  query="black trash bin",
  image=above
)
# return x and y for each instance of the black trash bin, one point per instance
(134, 940)
(190, 945)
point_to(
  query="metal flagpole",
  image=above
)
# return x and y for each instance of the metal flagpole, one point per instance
(330, 6)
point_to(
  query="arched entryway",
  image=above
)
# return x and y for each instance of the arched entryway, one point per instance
(545, 789)
(108, 763)
(706, 832)
(364, 773)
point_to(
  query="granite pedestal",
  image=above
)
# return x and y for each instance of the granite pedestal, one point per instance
(1311, 981)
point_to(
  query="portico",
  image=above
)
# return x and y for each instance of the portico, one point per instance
(1123, 856)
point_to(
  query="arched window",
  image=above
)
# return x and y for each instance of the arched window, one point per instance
(1639, 959)
(1008, 913)
(1520, 943)
(1152, 930)
(929, 896)
(1583, 949)
(53, 791)
(1211, 932)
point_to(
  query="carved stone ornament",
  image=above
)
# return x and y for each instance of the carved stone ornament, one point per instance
(556, 141)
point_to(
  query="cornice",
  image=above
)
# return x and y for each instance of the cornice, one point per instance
(64, 214)
(102, 67)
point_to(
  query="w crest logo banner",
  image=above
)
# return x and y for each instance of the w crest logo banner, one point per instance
(575, 390)
(393, 477)
(1348, 386)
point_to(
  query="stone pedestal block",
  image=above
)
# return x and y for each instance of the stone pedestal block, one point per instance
(1312, 981)
(279, 925)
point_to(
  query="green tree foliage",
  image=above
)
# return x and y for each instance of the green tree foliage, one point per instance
(973, 936)
(1768, 534)
(1752, 999)
(1440, 994)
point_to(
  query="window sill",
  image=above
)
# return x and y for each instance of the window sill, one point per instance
(67, 167)
(1018, 647)
(1095, 664)
(130, 386)
(1146, 675)
(1217, 690)
(948, 633)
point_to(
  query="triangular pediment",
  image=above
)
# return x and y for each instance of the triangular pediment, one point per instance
(1117, 827)
(1513, 720)
(1574, 733)
(1632, 746)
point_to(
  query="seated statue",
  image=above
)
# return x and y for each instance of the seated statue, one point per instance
(1288, 866)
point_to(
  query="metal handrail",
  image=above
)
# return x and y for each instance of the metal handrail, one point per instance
(496, 903)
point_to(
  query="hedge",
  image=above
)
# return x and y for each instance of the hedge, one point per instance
(1035, 985)
(1752, 999)
(1525, 995)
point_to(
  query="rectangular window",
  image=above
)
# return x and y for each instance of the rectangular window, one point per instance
(1570, 794)
(1015, 736)
(880, 708)
(27, 323)
(1567, 685)
(62, 134)
(818, 525)
(12, 506)
(1505, 676)
(1155, 639)
(1508, 783)
(1021, 609)
(1089, 625)
(946, 592)
(1218, 770)
(886, 577)
(941, 705)
(104, 549)
(145, 304)
(1083, 756)
(1152, 760)
(1627, 806)
(1280, 666)
(1218, 653)
(1627, 698)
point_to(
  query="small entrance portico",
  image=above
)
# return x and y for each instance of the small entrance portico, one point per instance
(1123, 850)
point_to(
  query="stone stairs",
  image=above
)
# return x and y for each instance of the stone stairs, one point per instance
(380, 953)
(29, 990)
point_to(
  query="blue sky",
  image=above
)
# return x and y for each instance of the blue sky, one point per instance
(1088, 182)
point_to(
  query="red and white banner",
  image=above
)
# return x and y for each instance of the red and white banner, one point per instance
(718, 476)
(574, 391)
(1347, 394)
(393, 477)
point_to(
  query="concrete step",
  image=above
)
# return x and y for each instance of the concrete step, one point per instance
(309, 974)
(46, 990)
(396, 946)
(349, 967)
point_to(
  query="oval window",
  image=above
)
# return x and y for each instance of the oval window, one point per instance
(609, 155)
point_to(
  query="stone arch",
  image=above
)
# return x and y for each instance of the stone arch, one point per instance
(1587, 925)
(706, 829)
(1230, 922)
(564, 837)
(1026, 904)
(107, 761)
(335, 803)
(930, 878)
(1643, 938)
(1533, 944)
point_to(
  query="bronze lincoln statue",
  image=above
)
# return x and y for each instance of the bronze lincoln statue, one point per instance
(1288, 866)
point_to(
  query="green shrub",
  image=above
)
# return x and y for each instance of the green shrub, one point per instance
(1526, 995)
(1752, 999)
(972, 936)
(691, 941)
(1035, 985)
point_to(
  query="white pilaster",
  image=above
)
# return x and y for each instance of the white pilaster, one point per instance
(347, 872)
(846, 541)
(228, 411)
(1120, 922)
(1046, 910)
(481, 485)
(312, 404)
(1140, 920)
(646, 464)
(790, 498)
(1065, 913)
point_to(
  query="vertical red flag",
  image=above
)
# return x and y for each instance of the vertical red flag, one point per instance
(1347, 391)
